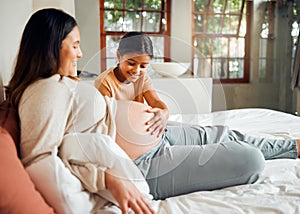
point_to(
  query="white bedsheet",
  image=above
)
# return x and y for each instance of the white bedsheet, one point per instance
(277, 190)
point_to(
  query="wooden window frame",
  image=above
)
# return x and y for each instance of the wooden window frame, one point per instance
(246, 58)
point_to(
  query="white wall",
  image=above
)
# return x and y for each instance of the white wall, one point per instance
(88, 19)
(181, 25)
(13, 15)
(66, 5)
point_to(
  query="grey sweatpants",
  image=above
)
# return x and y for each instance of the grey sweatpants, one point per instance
(194, 158)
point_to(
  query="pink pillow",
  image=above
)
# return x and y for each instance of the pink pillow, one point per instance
(17, 192)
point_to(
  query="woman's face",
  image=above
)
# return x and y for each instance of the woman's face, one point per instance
(132, 66)
(70, 52)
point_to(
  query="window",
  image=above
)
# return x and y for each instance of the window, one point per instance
(221, 35)
(120, 16)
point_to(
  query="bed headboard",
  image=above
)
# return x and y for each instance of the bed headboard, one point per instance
(185, 95)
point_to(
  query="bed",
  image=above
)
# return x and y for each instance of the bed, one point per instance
(278, 188)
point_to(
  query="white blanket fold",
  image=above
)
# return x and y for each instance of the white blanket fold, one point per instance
(79, 150)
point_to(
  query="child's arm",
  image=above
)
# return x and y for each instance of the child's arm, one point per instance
(103, 89)
(160, 110)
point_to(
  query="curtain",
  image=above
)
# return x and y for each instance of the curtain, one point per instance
(296, 67)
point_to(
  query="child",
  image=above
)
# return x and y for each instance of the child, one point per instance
(129, 79)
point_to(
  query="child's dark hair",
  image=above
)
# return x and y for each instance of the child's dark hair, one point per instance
(135, 42)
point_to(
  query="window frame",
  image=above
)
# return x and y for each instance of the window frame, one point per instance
(246, 58)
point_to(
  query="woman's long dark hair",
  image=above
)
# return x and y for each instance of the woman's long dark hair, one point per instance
(135, 42)
(39, 50)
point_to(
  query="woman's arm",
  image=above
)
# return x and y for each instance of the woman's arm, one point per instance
(43, 110)
(126, 193)
(83, 153)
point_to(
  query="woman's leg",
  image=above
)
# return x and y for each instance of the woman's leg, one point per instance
(176, 170)
(199, 135)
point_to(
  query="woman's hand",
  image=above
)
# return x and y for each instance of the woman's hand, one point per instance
(158, 122)
(126, 193)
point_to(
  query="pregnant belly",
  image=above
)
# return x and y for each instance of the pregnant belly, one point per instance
(132, 135)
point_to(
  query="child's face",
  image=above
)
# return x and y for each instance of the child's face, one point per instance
(132, 66)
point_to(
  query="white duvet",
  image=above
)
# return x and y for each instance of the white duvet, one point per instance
(277, 190)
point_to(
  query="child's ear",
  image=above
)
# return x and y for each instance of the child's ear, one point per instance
(118, 56)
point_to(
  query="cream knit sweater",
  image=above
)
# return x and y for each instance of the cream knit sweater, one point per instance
(58, 106)
(71, 119)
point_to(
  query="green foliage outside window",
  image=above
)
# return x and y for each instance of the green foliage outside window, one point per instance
(139, 15)
(219, 35)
